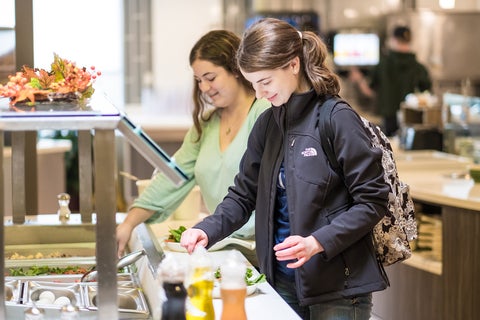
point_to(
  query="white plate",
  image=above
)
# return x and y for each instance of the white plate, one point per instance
(174, 246)
(249, 244)
(216, 290)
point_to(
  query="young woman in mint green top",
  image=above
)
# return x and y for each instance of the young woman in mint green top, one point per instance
(212, 148)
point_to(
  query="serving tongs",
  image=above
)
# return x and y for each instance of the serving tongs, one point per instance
(126, 260)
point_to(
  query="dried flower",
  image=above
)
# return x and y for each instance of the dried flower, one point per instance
(64, 81)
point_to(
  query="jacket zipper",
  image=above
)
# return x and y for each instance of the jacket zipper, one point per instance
(346, 271)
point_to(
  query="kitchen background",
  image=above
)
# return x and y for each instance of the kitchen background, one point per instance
(142, 46)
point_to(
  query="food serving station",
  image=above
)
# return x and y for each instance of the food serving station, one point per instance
(96, 123)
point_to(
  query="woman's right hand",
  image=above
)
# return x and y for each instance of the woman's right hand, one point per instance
(124, 230)
(191, 238)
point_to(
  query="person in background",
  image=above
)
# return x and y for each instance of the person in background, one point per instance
(211, 150)
(313, 224)
(397, 74)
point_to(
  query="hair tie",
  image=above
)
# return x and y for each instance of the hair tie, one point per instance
(300, 34)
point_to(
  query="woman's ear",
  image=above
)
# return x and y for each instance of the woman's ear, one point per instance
(295, 65)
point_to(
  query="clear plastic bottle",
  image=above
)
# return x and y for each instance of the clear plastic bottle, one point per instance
(200, 286)
(173, 276)
(233, 288)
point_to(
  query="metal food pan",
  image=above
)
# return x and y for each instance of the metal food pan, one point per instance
(47, 268)
(56, 278)
(80, 254)
(34, 290)
(131, 301)
(123, 278)
(12, 290)
(49, 251)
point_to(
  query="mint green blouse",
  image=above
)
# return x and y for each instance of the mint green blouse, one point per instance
(211, 169)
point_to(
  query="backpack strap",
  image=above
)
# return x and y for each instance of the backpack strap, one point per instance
(326, 131)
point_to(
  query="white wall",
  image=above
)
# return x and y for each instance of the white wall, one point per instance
(177, 25)
(88, 32)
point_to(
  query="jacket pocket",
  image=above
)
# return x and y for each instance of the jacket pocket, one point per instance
(309, 161)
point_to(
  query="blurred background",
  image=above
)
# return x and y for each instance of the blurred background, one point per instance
(142, 46)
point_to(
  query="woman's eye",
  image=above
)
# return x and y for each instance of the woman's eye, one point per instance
(211, 79)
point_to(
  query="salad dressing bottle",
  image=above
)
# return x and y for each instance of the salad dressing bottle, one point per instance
(173, 276)
(200, 286)
(233, 288)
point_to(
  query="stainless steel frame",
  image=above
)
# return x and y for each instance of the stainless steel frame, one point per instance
(100, 124)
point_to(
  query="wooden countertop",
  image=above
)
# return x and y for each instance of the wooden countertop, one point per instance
(439, 178)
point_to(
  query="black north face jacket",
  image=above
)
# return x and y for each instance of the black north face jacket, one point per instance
(339, 214)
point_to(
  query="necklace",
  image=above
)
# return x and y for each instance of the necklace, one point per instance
(229, 129)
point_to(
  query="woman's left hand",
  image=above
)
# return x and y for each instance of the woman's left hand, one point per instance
(297, 248)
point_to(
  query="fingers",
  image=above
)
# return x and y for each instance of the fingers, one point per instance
(122, 237)
(290, 249)
(298, 249)
(297, 263)
(192, 238)
(120, 249)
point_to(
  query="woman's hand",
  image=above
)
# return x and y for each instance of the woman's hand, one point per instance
(191, 238)
(297, 248)
(124, 230)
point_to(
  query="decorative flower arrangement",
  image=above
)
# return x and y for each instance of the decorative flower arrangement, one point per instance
(65, 82)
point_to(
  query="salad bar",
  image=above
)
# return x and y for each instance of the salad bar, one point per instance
(51, 292)
(50, 266)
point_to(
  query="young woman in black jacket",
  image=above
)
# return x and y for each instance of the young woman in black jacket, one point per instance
(313, 225)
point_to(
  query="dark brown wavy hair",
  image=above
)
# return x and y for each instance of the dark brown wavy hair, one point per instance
(218, 47)
(271, 43)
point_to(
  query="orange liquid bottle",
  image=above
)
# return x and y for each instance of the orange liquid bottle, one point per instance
(233, 288)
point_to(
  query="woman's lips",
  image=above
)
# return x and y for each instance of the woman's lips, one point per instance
(272, 98)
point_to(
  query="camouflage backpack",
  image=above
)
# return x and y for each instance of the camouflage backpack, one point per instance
(392, 234)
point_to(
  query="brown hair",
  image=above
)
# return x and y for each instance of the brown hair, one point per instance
(218, 47)
(271, 43)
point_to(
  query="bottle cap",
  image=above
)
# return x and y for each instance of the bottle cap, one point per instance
(171, 269)
(233, 270)
(201, 266)
(63, 196)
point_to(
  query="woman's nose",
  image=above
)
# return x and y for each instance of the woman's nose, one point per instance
(259, 92)
(203, 86)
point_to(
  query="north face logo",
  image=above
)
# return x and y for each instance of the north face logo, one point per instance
(309, 152)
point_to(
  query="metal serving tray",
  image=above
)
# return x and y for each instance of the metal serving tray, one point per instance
(24, 291)
(131, 301)
(32, 292)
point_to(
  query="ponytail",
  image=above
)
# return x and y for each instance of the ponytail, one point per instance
(315, 68)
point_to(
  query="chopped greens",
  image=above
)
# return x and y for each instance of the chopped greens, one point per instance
(46, 270)
(248, 277)
(176, 234)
